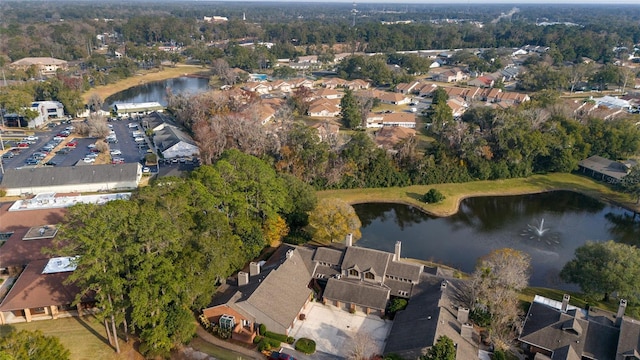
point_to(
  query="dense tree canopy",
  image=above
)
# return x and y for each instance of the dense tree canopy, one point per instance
(150, 260)
(332, 220)
(443, 349)
(605, 267)
(32, 345)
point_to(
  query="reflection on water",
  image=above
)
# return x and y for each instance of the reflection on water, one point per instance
(488, 223)
(157, 91)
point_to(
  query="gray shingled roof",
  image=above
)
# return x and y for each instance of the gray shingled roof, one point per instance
(284, 286)
(404, 270)
(65, 175)
(629, 340)
(171, 135)
(604, 166)
(549, 328)
(328, 255)
(374, 297)
(366, 259)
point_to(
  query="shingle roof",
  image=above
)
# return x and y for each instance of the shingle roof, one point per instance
(65, 175)
(171, 135)
(604, 166)
(629, 340)
(366, 259)
(404, 270)
(358, 293)
(34, 289)
(328, 255)
(286, 286)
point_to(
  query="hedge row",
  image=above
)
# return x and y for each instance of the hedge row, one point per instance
(279, 337)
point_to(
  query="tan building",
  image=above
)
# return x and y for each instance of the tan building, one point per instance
(45, 65)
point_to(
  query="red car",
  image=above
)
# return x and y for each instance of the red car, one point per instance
(23, 145)
(72, 144)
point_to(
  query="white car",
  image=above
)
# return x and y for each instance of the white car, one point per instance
(138, 139)
(115, 152)
(133, 126)
(91, 146)
(146, 170)
(31, 138)
(89, 160)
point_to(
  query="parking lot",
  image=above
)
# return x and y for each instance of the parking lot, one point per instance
(70, 156)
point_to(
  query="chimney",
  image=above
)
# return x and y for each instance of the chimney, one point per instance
(289, 253)
(243, 278)
(620, 314)
(398, 250)
(443, 285)
(466, 331)
(565, 302)
(254, 268)
(349, 240)
(463, 315)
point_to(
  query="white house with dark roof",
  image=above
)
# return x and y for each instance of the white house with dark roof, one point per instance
(172, 142)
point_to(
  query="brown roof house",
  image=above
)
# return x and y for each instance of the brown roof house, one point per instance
(45, 65)
(40, 292)
(272, 293)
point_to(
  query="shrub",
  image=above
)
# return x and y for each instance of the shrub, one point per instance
(290, 340)
(268, 344)
(276, 336)
(433, 196)
(397, 304)
(262, 329)
(257, 339)
(480, 317)
(306, 346)
(3, 192)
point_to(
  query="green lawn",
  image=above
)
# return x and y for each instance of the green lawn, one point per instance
(217, 352)
(455, 193)
(84, 337)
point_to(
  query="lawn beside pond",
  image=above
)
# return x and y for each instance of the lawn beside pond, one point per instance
(454, 193)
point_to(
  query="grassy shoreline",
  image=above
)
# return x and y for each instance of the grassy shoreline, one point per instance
(144, 77)
(455, 193)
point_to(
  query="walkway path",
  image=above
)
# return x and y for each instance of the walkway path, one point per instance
(204, 335)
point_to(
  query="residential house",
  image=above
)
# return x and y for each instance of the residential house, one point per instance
(451, 75)
(482, 82)
(512, 98)
(260, 88)
(301, 82)
(173, 142)
(41, 292)
(388, 137)
(558, 330)
(361, 279)
(265, 113)
(312, 59)
(604, 169)
(281, 85)
(44, 65)
(393, 98)
(72, 179)
(426, 90)
(282, 280)
(433, 311)
(332, 83)
(458, 106)
(357, 84)
(323, 109)
(328, 93)
(407, 88)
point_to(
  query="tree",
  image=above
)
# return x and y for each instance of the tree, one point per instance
(498, 278)
(33, 345)
(630, 183)
(605, 267)
(443, 349)
(432, 196)
(332, 220)
(349, 112)
(95, 102)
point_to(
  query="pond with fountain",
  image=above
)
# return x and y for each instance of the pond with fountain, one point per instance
(548, 226)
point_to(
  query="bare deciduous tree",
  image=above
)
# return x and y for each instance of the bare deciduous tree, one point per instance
(361, 347)
(95, 102)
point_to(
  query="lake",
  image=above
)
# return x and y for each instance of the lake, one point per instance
(157, 91)
(484, 224)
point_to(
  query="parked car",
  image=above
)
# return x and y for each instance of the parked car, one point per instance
(146, 170)
(32, 161)
(63, 151)
(32, 138)
(89, 160)
(8, 155)
(72, 144)
(91, 146)
(51, 163)
(117, 160)
(115, 152)
(91, 155)
(23, 145)
(132, 126)
(275, 355)
(138, 139)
